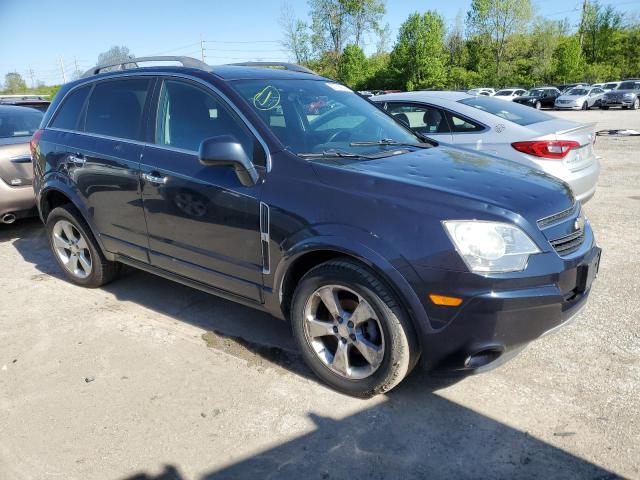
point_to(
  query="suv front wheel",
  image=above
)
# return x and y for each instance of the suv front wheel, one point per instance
(351, 331)
(76, 250)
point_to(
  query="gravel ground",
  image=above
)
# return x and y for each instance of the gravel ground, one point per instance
(147, 379)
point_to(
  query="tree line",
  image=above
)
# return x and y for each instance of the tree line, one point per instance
(497, 43)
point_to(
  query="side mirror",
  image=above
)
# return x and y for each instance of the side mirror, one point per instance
(227, 151)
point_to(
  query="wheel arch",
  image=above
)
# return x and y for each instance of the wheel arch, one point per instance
(312, 253)
(57, 194)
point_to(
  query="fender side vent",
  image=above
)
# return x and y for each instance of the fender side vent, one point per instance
(264, 237)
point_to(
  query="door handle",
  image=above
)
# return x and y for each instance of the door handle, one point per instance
(151, 178)
(78, 160)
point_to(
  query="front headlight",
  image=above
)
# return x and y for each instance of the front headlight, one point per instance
(628, 95)
(490, 247)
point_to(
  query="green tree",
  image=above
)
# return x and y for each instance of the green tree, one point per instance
(14, 83)
(296, 36)
(567, 60)
(418, 57)
(545, 38)
(598, 26)
(495, 21)
(352, 69)
(365, 16)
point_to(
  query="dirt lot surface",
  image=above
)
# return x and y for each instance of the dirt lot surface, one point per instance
(147, 379)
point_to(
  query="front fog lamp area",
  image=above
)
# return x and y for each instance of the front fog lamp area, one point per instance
(490, 247)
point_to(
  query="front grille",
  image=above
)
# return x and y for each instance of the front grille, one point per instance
(557, 217)
(568, 244)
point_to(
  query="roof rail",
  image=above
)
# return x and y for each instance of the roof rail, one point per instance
(287, 66)
(186, 62)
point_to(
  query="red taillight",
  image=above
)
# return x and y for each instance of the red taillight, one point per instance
(546, 148)
(34, 142)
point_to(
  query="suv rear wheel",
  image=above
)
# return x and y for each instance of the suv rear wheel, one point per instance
(76, 250)
(351, 331)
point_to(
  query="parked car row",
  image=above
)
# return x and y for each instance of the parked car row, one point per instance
(288, 192)
(576, 96)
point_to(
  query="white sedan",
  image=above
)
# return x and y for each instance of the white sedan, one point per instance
(561, 148)
(580, 98)
(510, 93)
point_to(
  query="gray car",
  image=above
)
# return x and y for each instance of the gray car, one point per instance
(580, 98)
(626, 96)
(561, 148)
(17, 125)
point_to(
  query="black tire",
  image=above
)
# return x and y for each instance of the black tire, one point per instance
(102, 270)
(401, 351)
(636, 104)
(585, 106)
(602, 107)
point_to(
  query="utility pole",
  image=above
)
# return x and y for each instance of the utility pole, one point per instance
(33, 83)
(585, 5)
(64, 76)
(201, 48)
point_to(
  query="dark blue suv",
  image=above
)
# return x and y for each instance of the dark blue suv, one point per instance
(288, 192)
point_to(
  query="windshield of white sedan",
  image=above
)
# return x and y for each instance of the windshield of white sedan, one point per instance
(321, 118)
(578, 92)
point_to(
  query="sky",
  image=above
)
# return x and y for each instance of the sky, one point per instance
(44, 38)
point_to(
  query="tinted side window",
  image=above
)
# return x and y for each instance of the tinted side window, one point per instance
(187, 115)
(116, 108)
(462, 125)
(71, 109)
(421, 118)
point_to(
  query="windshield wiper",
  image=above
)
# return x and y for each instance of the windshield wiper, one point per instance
(332, 154)
(342, 154)
(389, 141)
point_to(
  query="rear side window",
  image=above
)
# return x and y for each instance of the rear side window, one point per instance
(116, 108)
(463, 125)
(69, 113)
(512, 111)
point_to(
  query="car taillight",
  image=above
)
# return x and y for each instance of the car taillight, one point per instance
(34, 142)
(556, 149)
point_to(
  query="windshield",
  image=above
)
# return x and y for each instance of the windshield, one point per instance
(311, 116)
(19, 122)
(536, 92)
(512, 111)
(578, 91)
(611, 86)
(629, 86)
(504, 93)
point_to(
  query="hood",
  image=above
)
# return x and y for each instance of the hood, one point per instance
(622, 92)
(447, 179)
(527, 97)
(571, 97)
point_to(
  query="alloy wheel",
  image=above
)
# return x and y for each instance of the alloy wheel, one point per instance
(344, 331)
(72, 249)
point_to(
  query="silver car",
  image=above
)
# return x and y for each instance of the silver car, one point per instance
(17, 125)
(561, 148)
(580, 98)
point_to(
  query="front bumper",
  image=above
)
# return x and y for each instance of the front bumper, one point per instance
(497, 321)
(617, 103)
(16, 199)
(567, 106)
